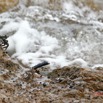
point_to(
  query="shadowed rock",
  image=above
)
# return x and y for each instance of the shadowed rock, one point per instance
(40, 65)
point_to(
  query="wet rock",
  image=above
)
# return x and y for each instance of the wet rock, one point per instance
(71, 72)
(80, 82)
(62, 85)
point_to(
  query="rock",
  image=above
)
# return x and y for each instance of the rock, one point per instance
(71, 72)
(63, 85)
(7, 4)
(81, 82)
(7, 67)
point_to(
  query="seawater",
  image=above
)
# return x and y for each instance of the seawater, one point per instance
(77, 27)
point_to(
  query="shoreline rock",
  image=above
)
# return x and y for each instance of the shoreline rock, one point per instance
(7, 4)
(62, 85)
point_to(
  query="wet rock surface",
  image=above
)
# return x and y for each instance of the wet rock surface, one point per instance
(62, 85)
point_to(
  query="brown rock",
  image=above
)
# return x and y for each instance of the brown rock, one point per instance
(65, 85)
(7, 4)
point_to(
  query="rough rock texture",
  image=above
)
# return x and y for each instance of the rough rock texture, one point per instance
(58, 4)
(51, 4)
(7, 4)
(62, 85)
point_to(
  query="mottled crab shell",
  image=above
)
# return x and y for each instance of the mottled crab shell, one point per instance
(4, 42)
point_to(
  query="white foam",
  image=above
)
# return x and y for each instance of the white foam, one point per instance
(97, 65)
(83, 42)
(79, 62)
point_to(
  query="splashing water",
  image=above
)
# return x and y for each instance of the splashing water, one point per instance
(61, 32)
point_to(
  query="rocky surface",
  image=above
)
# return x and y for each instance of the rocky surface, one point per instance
(7, 4)
(21, 84)
(62, 85)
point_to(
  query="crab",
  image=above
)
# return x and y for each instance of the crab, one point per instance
(4, 42)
